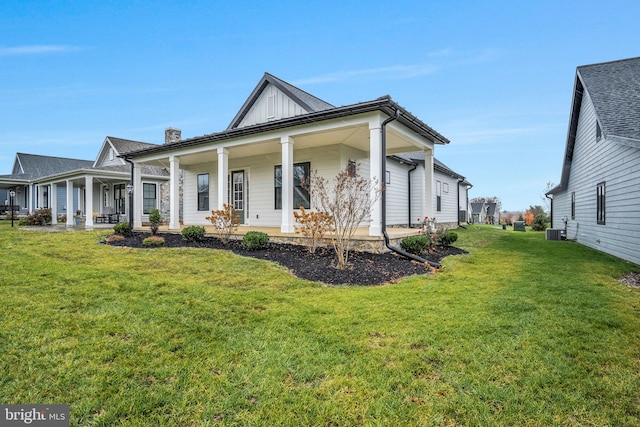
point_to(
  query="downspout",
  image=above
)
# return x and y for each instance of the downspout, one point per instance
(409, 191)
(551, 214)
(383, 197)
(458, 198)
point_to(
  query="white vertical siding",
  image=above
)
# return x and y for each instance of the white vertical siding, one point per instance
(619, 167)
(284, 107)
(397, 194)
(449, 199)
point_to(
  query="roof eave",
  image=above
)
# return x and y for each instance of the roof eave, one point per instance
(383, 104)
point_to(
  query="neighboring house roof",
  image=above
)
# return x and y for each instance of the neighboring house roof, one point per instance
(319, 111)
(477, 208)
(123, 146)
(614, 90)
(307, 101)
(34, 166)
(491, 209)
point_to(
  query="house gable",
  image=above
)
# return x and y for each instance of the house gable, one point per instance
(113, 147)
(274, 99)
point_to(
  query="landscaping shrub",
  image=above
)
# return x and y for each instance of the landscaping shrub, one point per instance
(255, 240)
(193, 233)
(39, 217)
(225, 221)
(112, 238)
(153, 241)
(313, 225)
(416, 244)
(154, 220)
(540, 222)
(122, 228)
(448, 237)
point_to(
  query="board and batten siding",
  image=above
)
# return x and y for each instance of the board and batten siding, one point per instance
(448, 213)
(397, 194)
(272, 104)
(595, 161)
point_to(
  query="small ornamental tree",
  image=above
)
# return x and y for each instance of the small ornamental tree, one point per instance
(348, 203)
(154, 221)
(225, 221)
(313, 226)
(528, 218)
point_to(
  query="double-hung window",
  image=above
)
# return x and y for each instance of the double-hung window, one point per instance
(301, 173)
(203, 192)
(148, 198)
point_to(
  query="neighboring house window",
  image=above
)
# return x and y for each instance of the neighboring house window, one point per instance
(119, 192)
(598, 131)
(573, 205)
(600, 201)
(203, 192)
(45, 198)
(351, 168)
(301, 173)
(438, 196)
(148, 198)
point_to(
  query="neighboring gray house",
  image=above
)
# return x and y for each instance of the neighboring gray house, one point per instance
(282, 132)
(597, 201)
(27, 170)
(95, 188)
(478, 213)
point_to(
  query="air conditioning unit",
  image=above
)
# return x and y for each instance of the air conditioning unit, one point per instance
(554, 233)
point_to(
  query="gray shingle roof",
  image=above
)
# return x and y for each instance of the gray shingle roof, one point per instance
(123, 146)
(614, 88)
(35, 166)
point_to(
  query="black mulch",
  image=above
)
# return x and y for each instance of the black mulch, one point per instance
(364, 268)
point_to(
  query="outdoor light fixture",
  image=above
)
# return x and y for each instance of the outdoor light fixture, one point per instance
(12, 194)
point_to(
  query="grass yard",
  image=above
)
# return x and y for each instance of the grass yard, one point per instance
(521, 331)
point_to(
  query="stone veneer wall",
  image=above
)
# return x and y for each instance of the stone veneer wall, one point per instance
(165, 199)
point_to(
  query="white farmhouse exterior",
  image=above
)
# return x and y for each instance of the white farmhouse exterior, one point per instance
(597, 202)
(279, 133)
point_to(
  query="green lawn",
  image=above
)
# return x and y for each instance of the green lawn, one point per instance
(521, 331)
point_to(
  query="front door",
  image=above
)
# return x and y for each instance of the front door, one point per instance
(237, 194)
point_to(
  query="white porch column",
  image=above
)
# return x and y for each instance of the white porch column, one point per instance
(375, 168)
(174, 193)
(137, 196)
(223, 177)
(30, 188)
(428, 184)
(287, 185)
(88, 209)
(70, 211)
(54, 203)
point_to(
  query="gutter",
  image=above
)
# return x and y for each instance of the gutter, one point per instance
(383, 148)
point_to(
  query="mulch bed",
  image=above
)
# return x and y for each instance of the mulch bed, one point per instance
(364, 268)
(631, 279)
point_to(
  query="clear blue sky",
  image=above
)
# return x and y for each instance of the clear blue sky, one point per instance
(495, 77)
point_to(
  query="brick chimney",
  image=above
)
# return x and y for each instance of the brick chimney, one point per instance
(172, 135)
